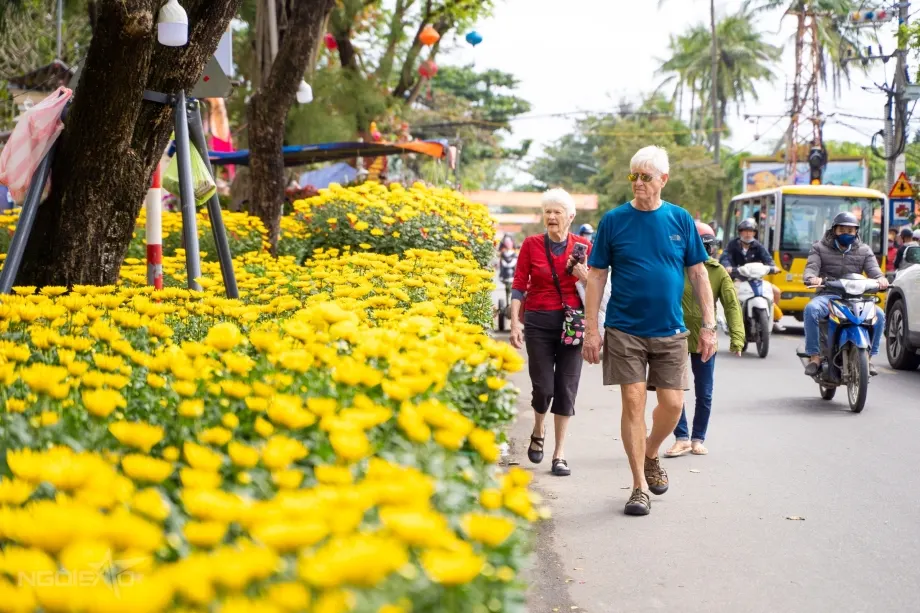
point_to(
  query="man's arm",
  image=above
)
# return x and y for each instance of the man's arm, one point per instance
(873, 270)
(699, 280)
(726, 259)
(812, 266)
(765, 257)
(597, 280)
(702, 290)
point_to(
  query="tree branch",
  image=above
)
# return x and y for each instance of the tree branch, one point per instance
(385, 68)
(443, 22)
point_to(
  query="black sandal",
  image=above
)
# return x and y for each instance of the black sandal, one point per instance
(561, 468)
(535, 455)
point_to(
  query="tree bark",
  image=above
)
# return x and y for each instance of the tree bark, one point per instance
(113, 139)
(268, 110)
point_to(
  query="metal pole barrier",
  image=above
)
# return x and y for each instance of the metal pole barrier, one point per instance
(187, 195)
(154, 210)
(217, 219)
(26, 221)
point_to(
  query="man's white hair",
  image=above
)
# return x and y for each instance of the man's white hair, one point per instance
(651, 157)
(561, 197)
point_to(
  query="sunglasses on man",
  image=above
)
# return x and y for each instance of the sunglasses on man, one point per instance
(635, 176)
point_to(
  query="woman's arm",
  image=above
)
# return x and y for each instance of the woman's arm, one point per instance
(521, 280)
(522, 270)
(732, 308)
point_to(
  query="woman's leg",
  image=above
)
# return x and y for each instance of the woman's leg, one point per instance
(541, 348)
(703, 380)
(567, 377)
(681, 434)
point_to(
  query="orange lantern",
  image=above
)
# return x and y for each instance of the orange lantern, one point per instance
(429, 36)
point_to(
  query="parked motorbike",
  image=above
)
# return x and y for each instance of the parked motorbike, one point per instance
(756, 298)
(846, 337)
(507, 262)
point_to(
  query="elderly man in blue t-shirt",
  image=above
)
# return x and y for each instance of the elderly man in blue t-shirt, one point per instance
(647, 244)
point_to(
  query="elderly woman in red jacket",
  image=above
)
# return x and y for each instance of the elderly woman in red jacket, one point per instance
(555, 368)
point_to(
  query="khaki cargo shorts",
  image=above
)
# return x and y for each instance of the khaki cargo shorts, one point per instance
(659, 361)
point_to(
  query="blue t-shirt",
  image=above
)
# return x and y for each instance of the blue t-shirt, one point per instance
(647, 252)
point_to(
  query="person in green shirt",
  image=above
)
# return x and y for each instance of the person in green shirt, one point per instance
(723, 291)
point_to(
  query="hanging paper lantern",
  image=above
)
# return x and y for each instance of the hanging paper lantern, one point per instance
(474, 38)
(429, 36)
(428, 69)
(330, 42)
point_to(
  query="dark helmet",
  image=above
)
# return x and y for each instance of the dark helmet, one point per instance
(585, 228)
(845, 219)
(906, 232)
(747, 224)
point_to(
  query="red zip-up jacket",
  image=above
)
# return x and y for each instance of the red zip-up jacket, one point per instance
(533, 276)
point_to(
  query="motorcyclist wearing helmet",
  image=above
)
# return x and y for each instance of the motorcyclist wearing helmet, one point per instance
(746, 249)
(587, 231)
(839, 253)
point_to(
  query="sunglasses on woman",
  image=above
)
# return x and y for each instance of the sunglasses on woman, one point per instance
(635, 176)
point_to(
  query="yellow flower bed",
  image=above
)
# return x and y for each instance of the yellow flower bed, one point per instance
(327, 443)
(389, 220)
(245, 233)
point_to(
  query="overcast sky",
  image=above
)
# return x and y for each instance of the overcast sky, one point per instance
(589, 54)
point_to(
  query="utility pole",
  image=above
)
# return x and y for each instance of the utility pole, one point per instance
(60, 28)
(896, 135)
(716, 127)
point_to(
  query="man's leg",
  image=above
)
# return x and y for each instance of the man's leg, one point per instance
(777, 312)
(625, 359)
(664, 420)
(816, 310)
(633, 430)
(878, 331)
(668, 372)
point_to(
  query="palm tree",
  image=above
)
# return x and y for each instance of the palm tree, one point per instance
(743, 58)
(835, 43)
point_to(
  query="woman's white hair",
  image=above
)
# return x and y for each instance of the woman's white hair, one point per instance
(651, 157)
(561, 197)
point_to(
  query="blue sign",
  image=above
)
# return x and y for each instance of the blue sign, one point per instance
(900, 211)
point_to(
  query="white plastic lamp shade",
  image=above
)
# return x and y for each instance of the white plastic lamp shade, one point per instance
(172, 25)
(304, 93)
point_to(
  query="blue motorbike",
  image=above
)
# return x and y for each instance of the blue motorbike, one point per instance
(846, 338)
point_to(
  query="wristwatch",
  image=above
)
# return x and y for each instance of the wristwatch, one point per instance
(710, 327)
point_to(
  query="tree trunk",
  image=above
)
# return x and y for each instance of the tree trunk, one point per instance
(113, 139)
(347, 54)
(268, 110)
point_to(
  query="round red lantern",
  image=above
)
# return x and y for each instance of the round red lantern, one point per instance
(429, 35)
(428, 69)
(330, 42)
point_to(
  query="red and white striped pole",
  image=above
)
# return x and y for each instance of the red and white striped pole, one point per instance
(154, 206)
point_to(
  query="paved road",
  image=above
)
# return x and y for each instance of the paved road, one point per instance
(719, 540)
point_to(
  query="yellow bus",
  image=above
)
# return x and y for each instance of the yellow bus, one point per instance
(792, 217)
